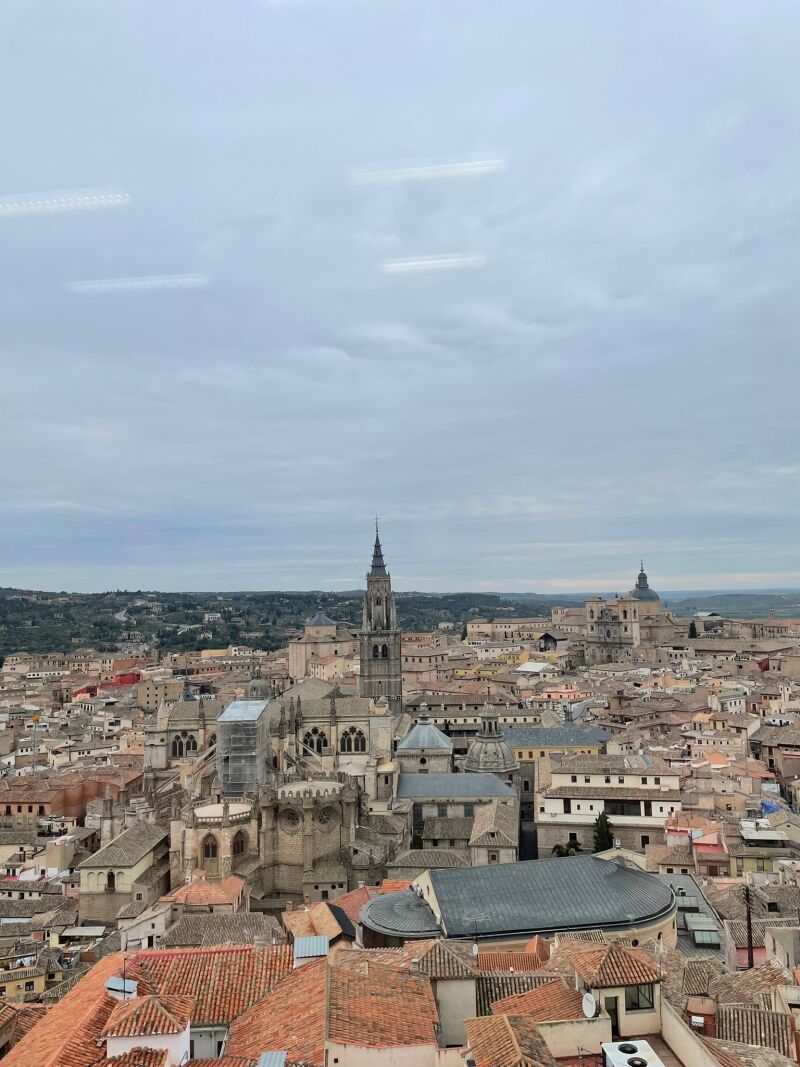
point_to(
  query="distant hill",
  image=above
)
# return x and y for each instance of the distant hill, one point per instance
(34, 621)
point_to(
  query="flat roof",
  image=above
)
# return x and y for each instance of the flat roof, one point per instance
(243, 711)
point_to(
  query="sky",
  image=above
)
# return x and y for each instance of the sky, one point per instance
(519, 277)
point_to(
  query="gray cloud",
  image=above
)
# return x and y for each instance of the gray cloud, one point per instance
(617, 377)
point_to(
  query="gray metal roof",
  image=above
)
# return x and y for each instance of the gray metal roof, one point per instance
(549, 737)
(425, 735)
(535, 896)
(308, 947)
(401, 914)
(243, 711)
(272, 1059)
(470, 786)
(321, 619)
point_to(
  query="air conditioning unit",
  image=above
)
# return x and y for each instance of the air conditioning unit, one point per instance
(634, 1053)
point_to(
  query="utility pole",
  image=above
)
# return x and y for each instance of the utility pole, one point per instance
(749, 927)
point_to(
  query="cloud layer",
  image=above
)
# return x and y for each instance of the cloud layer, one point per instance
(216, 380)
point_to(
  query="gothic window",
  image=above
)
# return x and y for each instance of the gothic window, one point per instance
(315, 739)
(177, 747)
(378, 601)
(375, 651)
(209, 848)
(353, 740)
(191, 744)
(591, 613)
(239, 844)
(385, 651)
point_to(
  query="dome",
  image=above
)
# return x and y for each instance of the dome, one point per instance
(425, 736)
(642, 591)
(257, 689)
(490, 752)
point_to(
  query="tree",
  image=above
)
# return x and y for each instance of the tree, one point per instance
(692, 630)
(603, 833)
(572, 848)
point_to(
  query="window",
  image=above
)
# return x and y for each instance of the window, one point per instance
(526, 786)
(587, 778)
(621, 779)
(469, 811)
(657, 781)
(639, 997)
(441, 811)
(29, 987)
(645, 840)
(573, 777)
(607, 779)
(494, 857)
(644, 781)
(573, 837)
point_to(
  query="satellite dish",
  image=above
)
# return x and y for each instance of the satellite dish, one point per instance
(589, 1006)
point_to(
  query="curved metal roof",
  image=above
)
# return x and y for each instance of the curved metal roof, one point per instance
(401, 914)
(535, 896)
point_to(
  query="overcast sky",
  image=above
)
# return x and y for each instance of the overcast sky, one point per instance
(520, 277)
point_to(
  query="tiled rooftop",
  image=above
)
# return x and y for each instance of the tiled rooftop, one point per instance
(507, 1041)
(614, 965)
(554, 1000)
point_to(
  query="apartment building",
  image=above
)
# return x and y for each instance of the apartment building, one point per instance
(637, 793)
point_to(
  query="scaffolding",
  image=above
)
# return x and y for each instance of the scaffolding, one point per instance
(243, 747)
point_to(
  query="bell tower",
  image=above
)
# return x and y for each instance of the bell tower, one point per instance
(379, 637)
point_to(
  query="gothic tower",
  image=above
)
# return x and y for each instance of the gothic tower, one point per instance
(380, 654)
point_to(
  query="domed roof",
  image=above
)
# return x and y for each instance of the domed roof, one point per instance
(490, 752)
(257, 689)
(642, 591)
(425, 735)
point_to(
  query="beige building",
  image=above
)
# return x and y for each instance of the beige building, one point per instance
(322, 637)
(134, 867)
(638, 795)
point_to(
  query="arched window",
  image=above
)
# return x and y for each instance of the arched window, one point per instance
(375, 651)
(316, 740)
(385, 651)
(212, 740)
(111, 882)
(239, 844)
(378, 601)
(353, 740)
(210, 852)
(625, 614)
(191, 744)
(177, 747)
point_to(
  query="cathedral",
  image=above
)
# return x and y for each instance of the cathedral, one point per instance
(281, 786)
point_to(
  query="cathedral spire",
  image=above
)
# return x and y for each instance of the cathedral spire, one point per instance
(378, 566)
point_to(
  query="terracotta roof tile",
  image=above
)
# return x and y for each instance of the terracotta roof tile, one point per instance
(509, 961)
(224, 981)
(139, 1057)
(553, 1001)
(145, 1016)
(507, 1041)
(202, 893)
(752, 1026)
(291, 1018)
(614, 965)
(381, 1008)
(352, 903)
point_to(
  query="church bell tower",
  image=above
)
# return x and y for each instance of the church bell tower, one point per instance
(380, 653)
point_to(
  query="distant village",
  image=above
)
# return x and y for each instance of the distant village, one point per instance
(519, 842)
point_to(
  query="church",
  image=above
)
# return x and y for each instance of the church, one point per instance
(285, 782)
(616, 630)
